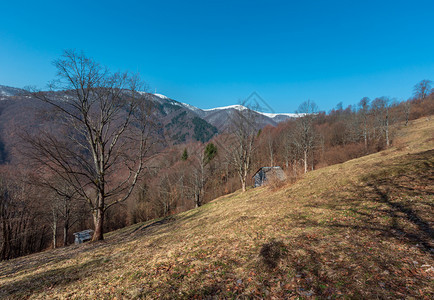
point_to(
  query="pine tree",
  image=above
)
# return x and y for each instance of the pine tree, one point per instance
(210, 152)
(184, 156)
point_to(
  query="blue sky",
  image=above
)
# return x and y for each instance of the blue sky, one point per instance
(215, 53)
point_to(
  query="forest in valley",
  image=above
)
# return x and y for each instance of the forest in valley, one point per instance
(99, 158)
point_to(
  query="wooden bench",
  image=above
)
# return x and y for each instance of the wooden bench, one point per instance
(83, 236)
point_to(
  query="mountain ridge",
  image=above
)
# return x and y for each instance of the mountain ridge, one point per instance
(219, 116)
(182, 122)
(8, 91)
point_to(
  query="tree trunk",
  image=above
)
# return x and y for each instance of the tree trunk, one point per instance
(407, 108)
(365, 137)
(243, 185)
(387, 138)
(6, 243)
(66, 216)
(387, 133)
(197, 199)
(305, 161)
(65, 232)
(98, 219)
(54, 228)
(244, 178)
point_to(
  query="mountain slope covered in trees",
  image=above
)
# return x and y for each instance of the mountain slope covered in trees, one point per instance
(360, 229)
(178, 122)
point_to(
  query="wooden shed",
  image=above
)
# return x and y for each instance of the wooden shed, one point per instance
(265, 174)
(83, 236)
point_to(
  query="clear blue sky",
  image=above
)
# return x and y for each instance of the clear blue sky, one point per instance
(215, 53)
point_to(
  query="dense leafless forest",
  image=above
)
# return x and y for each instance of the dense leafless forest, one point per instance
(109, 168)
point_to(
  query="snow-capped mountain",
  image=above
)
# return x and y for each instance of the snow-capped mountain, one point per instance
(237, 107)
(219, 116)
(7, 91)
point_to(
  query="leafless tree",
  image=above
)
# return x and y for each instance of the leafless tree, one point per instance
(286, 148)
(381, 109)
(202, 168)
(422, 89)
(168, 194)
(5, 216)
(363, 113)
(21, 229)
(290, 150)
(305, 137)
(407, 110)
(65, 206)
(240, 148)
(270, 147)
(198, 177)
(106, 126)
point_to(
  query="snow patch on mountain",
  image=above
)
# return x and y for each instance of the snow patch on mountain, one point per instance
(237, 107)
(7, 91)
(161, 96)
(273, 115)
(191, 107)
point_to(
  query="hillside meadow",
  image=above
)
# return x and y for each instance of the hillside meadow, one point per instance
(361, 229)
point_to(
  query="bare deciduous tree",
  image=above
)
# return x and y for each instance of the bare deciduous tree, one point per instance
(240, 149)
(422, 89)
(381, 108)
(65, 206)
(201, 171)
(407, 110)
(106, 121)
(304, 137)
(270, 147)
(364, 116)
(21, 229)
(198, 177)
(290, 150)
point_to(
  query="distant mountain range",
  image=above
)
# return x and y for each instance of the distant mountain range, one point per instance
(7, 91)
(178, 122)
(220, 116)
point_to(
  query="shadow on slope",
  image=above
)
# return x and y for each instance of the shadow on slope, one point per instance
(375, 238)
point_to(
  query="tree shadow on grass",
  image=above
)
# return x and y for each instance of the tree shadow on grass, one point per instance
(45, 280)
(374, 237)
(397, 202)
(422, 234)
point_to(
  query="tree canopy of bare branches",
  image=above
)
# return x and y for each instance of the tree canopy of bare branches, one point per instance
(243, 133)
(105, 122)
(422, 89)
(304, 136)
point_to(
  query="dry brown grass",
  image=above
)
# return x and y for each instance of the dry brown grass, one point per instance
(276, 184)
(361, 229)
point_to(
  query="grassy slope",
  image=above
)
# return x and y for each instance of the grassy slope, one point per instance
(362, 229)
